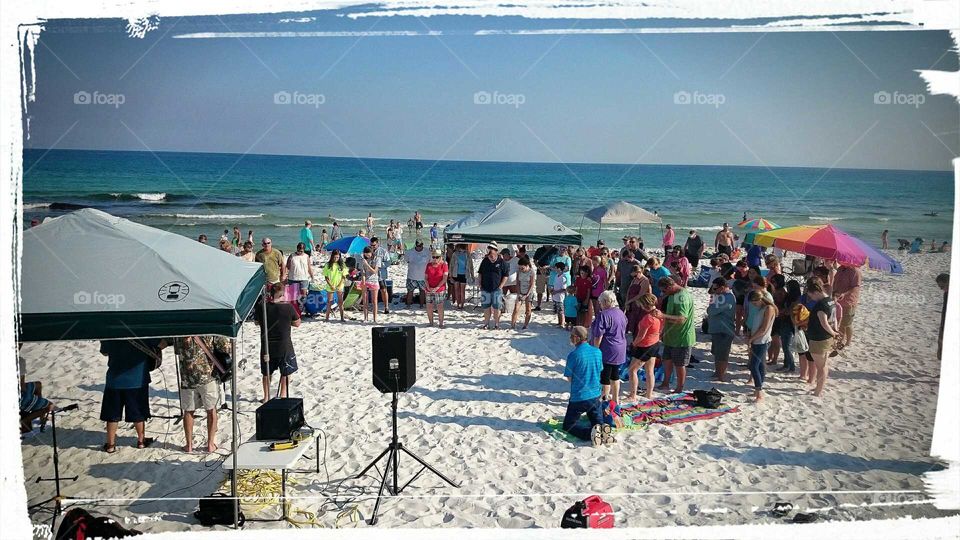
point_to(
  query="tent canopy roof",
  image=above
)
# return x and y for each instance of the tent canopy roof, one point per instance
(91, 275)
(510, 221)
(621, 212)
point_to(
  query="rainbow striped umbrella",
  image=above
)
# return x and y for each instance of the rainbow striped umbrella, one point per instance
(826, 242)
(758, 224)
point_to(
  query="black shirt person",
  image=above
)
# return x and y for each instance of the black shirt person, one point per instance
(281, 317)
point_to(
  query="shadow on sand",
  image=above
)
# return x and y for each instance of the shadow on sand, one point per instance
(817, 460)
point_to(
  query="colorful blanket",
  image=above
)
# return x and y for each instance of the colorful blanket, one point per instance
(668, 410)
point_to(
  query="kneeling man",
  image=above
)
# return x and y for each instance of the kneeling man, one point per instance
(584, 364)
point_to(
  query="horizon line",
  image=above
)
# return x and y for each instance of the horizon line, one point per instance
(613, 163)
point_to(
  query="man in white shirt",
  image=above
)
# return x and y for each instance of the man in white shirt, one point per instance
(512, 266)
(417, 260)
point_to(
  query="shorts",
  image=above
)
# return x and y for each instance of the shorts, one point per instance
(127, 404)
(679, 356)
(558, 307)
(541, 284)
(436, 297)
(204, 397)
(419, 225)
(610, 372)
(570, 320)
(370, 285)
(524, 299)
(727, 250)
(304, 285)
(287, 367)
(415, 284)
(460, 278)
(646, 353)
(30, 401)
(720, 346)
(848, 313)
(492, 299)
(821, 347)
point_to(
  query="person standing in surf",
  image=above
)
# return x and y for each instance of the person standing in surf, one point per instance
(335, 233)
(306, 237)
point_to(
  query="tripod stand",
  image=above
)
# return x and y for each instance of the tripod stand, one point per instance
(392, 453)
(58, 498)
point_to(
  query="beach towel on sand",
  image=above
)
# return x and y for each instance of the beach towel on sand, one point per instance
(668, 410)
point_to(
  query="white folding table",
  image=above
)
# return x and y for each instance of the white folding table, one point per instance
(256, 455)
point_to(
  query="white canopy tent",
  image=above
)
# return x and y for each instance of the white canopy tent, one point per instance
(621, 212)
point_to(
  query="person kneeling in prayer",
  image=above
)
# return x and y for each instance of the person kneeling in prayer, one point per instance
(584, 364)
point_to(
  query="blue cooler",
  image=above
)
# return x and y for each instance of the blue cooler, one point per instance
(315, 303)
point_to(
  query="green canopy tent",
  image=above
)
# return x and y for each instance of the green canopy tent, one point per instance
(621, 212)
(511, 222)
(89, 275)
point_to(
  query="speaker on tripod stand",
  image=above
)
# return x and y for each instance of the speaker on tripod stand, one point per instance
(395, 371)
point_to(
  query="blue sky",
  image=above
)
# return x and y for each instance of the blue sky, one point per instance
(775, 99)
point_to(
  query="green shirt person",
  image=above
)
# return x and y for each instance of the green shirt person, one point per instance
(679, 334)
(272, 261)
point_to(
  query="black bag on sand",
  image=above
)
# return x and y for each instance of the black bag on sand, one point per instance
(78, 524)
(708, 399)
(217, 509)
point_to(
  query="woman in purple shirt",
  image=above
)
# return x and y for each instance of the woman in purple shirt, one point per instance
(609, 333)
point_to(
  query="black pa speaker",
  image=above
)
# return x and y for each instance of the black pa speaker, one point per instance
(394, 358)
(278, 419)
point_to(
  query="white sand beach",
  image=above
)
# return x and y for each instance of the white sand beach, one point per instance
(475, 412)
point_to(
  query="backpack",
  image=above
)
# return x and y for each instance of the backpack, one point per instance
(78, 524)
(708, 399)
(217, 509)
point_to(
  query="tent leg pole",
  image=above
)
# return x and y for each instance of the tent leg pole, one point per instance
(236, 429)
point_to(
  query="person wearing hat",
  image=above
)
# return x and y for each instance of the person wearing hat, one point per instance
(493, 276)
(435, 285)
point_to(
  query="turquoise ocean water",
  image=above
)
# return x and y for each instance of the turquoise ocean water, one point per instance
(192, 193)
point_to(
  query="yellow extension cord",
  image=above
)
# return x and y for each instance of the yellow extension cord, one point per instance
(260, 489)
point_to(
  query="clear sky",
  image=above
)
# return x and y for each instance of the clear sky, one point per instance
(774, 99)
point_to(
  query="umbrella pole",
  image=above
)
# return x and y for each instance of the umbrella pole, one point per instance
(236, 429)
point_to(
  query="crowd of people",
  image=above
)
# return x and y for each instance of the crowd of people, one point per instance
(628, 310)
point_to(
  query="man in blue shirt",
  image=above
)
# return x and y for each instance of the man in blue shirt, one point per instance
(306, 236)
(584, 364)
(126, 393)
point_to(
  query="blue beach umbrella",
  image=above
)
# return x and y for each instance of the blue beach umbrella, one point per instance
(349, 244)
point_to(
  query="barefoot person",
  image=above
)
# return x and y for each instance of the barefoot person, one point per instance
(720, 325)
(435, 285)
(759, 340)
(417, 260)
(493, 273)
(846, 289)
(334, 278)
(723, 243)
(369, 283)
(526, 283)
(281, 317)
(679, 335)
(646, 344)
(199, 387)
(609, 333)
(582, 370)
(820, 332)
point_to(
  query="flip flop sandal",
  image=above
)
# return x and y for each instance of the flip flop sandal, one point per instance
(781, 509)
(109, 448)
(146, 442)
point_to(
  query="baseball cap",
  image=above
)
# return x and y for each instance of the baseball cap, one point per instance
(436, 253)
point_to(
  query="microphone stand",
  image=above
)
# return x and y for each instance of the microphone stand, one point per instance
(58, 497)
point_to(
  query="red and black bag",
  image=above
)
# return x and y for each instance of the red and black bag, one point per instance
(78, 524)
(590, 513)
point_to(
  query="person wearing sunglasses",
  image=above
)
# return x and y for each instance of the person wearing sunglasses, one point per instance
(272, 261)
(435, 277)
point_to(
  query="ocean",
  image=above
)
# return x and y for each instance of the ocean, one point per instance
(194, 193)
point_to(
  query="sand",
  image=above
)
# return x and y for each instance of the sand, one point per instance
(474, 414)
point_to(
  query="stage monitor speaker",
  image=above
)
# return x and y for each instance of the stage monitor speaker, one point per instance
(279, 418)
(394, 358)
